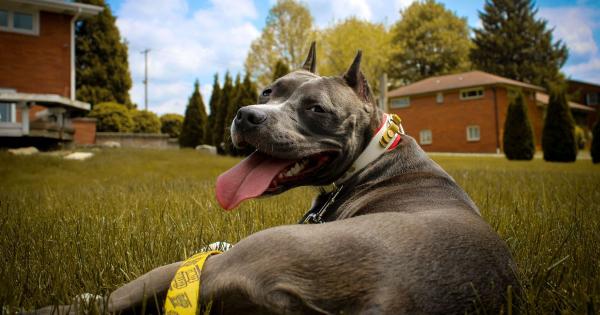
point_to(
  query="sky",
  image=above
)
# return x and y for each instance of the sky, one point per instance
(194, 39)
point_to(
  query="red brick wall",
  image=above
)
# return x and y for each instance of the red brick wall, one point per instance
(85, 130)
(38, 63)
(448, 120)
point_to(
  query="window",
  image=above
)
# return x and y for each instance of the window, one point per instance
(473, 133)
(470, 94)
(591, 98)
(7, 112)
(400, 102)
(425, 136)
(21, 21)
(439, 98)
(3, 18)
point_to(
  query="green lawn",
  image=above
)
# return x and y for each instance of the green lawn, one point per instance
(68, 227)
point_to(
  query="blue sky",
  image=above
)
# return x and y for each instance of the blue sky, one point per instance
(192, 39)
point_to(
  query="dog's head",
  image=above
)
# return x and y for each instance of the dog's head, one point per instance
(307, 130)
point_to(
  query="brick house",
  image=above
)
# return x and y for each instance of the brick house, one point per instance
(587, 94)
(37, 62)
(465, 112)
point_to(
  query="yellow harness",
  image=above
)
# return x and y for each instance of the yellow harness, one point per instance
(183, 294)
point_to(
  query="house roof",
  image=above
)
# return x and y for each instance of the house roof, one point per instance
(544, 98)
(457, 81)
(61, 6)
(48, 100)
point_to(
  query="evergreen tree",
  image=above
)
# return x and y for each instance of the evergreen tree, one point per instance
(429, 40)
(227, 93)
(595, 150)
(558, 136)
(513, 43)
(215, 99)
(518, 140)
(280, 69)
(232, 109)
(194, 121)
(102, 69)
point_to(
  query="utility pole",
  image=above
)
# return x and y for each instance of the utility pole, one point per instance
(145, 52)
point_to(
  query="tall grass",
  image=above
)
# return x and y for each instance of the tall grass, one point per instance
(68, 227)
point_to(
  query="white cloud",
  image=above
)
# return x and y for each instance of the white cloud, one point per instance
(327, 12)
(575, 26)
(587, 71)
(184, 46)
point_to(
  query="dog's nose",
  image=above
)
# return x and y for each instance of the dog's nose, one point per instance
(248, 117)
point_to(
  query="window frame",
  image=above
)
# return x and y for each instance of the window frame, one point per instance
(13, 113)
(35, 23)
(423, 140)
(469, 138)
(589, 97)
(470, 90)
(407, 98)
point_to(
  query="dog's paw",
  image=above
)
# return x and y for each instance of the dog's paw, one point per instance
(222, 246)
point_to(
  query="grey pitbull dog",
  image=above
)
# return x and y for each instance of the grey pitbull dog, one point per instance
(401, 237)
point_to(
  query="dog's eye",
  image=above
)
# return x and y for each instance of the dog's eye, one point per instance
(316, 109)
(266, 92)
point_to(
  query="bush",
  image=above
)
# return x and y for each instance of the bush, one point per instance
(171, 124)
(596, 142)
(580, 137)
(112, 117)
(145, 122)
(518, 135)
(558, 137)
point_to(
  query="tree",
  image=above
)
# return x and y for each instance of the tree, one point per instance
(102, 69)
(171, 124)
(215, 99)
(595, 150)
(227, 93)
(192, 131)
(340, 42)
(280, 69)
(287, 34)
(112, 117)
(232, 108)
(558, 135)
(428, 40)
(145, 122)
(518, 140)
(513, 43)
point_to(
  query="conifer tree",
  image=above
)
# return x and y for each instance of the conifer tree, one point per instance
(102, 69)
(595, 150)
(280, 69)
(518, 140)
(227, 94)
(194, 121)
(215, 99)
(558, 136)
(513, 43)
(232, 109)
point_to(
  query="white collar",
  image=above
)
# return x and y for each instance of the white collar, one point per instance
(387, 135)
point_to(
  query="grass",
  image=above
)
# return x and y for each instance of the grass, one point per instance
(68, 227)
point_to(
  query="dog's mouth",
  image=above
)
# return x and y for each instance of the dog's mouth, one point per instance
(261, 174)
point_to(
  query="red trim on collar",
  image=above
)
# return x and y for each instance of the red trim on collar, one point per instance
(398, 139)
(384, 118)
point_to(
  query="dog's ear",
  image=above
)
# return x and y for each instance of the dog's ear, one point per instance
(357, 80)
(311, 60)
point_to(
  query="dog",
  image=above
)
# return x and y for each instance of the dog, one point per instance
(394, 235)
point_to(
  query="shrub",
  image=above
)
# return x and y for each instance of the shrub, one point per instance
(145, 122)
(171, 124)
(558, 136)
(112, 117)
(596, 142)
(580, 137)
(518, 135)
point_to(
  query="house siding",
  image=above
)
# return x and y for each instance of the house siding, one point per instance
(38, 63)
(448, 121)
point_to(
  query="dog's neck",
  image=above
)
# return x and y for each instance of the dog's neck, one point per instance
(405, 180)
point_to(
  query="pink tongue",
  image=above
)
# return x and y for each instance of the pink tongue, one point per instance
(248, 179)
